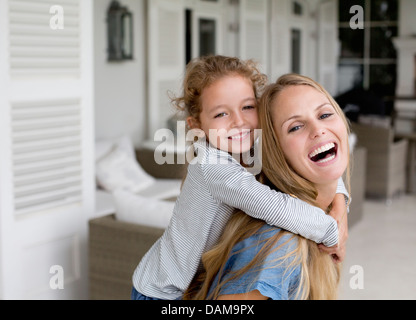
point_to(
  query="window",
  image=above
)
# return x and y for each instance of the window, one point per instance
(188, 36)
(205, 35)
(297, 8)
(296, 51)
(368, 56)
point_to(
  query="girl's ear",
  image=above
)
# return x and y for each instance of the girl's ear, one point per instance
(193, 123)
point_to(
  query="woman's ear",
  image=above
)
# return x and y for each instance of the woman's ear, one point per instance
(193, 123)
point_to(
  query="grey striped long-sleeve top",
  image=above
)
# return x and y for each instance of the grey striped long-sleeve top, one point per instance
(215, 185)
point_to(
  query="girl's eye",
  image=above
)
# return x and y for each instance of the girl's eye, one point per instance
(248, 107)
(220, 115)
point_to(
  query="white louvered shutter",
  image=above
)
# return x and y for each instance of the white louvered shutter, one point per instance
(328, 48)
(47, 157)
(254, 32)
(35, 50)
(47, 171)
(166, 57)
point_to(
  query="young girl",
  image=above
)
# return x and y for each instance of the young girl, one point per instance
(221, 93)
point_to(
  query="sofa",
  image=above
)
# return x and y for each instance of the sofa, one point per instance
(115, 249)
(386, 160)
(358, 185)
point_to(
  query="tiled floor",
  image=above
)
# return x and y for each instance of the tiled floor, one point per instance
(381, 252)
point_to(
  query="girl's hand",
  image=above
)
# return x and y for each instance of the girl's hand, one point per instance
(339, 213)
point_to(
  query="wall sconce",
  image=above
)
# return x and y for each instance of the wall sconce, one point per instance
(120, 32)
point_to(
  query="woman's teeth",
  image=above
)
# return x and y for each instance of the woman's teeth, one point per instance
(332, 157)
(322, 149)
(322, 154)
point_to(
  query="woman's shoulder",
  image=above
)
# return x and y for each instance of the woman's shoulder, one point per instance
(280, 242)
(283, 238)
(275, 274)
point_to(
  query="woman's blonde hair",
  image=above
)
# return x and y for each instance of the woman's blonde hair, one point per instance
(319, 274)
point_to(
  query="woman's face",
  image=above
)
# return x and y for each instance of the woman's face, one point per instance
(312, 135)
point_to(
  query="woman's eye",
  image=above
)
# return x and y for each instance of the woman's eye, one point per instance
(326, 115)
(295, 128)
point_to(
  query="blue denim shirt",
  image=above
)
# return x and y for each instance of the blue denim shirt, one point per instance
(275, 278)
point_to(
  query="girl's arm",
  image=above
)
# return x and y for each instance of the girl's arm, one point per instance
(339, 213)
(342, 190)
(232, 184)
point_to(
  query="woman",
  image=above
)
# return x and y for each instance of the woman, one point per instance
(305, 152)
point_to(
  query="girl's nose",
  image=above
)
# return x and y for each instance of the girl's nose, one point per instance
(238, 119)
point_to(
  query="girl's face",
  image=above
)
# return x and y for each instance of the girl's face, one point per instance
(312, 135)
(229, 114)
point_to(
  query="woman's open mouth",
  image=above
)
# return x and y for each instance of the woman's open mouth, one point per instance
(324, 153)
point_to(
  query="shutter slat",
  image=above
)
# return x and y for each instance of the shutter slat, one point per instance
(50, 41)
(45, 134)
(44, 187)
(47, 123)
(45, 165)
(39, 2)
(45, 144)
(49, 201)
(44, 63)
(50, 204)
(42, 197)
(20, 18)
(46, 130)
(48, 154)
(50, 174)
(42, 7)
(25, 52)
(39, 31)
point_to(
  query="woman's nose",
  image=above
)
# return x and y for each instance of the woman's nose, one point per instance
(317, 131)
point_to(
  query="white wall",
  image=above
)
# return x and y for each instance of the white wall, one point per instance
(407, 24)
(282, 21)
(120, 90)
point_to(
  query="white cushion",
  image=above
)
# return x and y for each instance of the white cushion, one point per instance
(104, 203)
(118, 170)
(104, 147)
(133, 208)
(129, 191)
(161, 189)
